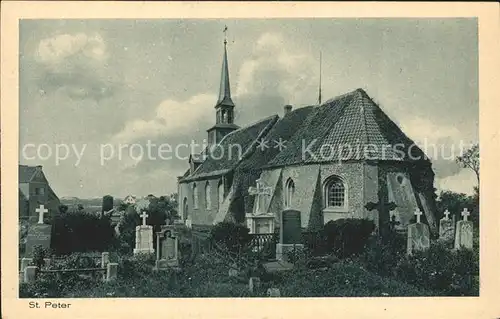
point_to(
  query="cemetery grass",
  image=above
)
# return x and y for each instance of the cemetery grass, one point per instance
(208, 277)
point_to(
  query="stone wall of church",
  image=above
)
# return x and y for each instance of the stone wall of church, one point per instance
(352, 173)
(200, 215)
(308, 196)
(304, 177)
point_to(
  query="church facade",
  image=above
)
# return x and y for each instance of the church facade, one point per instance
(344, 158)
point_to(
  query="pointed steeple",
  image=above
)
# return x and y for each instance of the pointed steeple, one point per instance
(225, 90)
(224, 114)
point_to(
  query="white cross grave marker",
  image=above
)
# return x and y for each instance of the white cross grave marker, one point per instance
(259, 190)
(465, 214)
(144, 216)
(41, 210)
(446, 214)
(418, 213)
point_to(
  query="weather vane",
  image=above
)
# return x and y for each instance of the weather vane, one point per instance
(225, 34)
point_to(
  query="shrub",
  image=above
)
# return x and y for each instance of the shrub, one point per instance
(382, 255)
(347, 237)
(81, 232)
(448, 272)
(136, 266)
(233, 237)
(39, 255)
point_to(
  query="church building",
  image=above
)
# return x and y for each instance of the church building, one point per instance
(344, 158)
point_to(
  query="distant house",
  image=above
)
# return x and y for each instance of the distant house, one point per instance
(34, 190)
(130, 200)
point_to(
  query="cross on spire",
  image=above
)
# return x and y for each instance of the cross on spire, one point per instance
(465, 214)
(225, 34)
(259, 190)
(446, 214)
(224, 90)
(418, 213)
(144, 216)
(41, 210)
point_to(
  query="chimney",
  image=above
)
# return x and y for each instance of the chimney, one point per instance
(287, 109)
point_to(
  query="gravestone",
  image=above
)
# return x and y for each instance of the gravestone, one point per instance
(253, 284)
(233, 270)
(38, 234)
(167, 248)
(418, 235)
(446, 228)
(260, 221)
(273, 292)
(144, 237)
(464, 232)
(290, 234)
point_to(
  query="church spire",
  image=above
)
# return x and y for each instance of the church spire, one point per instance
(224, 109)
(225, 90)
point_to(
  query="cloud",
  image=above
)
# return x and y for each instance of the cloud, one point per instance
(423, 130)
(274, 75)
(75, 64)
(172, 118)
(53, 51)
(463, 182)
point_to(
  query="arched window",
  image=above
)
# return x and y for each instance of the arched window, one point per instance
(195, 196)
(289, 192)
(208, 196)
(335, 193)
(220, 192)
(185, 208)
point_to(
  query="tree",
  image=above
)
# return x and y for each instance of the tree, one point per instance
(107, 203)
(470, 159)
(456, 202)
(63, 209)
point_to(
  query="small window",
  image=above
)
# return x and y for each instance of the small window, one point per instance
(220, 191)
(208, 196)
(289, 192)
(335, 193)
(195, 196)
(400, 178)
(39, 191)
(185, 208)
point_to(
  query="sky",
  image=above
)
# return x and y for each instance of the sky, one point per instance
(89, 88)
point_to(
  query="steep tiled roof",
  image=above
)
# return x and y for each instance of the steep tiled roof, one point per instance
(226, 155)
(349, 127)
(283, 130)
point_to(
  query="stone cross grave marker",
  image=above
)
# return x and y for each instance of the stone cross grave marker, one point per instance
(260, 191)
(418, 235)
(144, 216)
(446, 228)
(464, 232)
(383, 207)
(39, 234)
(144, 237)
(41, 211)
(290, 234)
